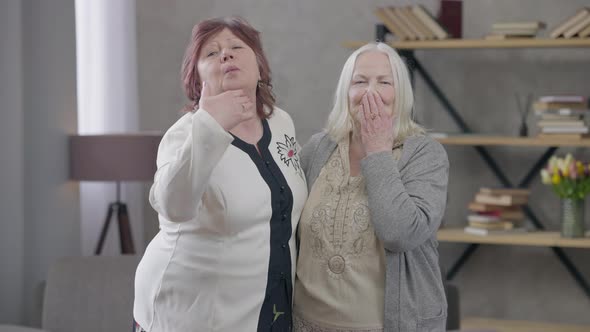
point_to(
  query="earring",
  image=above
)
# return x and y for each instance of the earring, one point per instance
(260, 84)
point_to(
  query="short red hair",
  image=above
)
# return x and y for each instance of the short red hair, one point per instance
(241, 29)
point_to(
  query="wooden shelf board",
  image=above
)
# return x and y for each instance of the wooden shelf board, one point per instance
(511, 141)
(533, 238)
(498, 325)
(481, 43)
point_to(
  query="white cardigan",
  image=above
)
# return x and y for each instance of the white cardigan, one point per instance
(224, 259)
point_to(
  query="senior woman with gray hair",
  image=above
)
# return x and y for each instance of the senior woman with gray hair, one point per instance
(368, 258)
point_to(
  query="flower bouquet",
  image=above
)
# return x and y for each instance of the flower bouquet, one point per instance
(570, 180)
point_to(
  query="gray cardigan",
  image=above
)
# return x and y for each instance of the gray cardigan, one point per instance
(407, 199)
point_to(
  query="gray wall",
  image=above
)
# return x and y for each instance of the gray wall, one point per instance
(11, 147)
(302, 40)
(52, 228)
(38, 109)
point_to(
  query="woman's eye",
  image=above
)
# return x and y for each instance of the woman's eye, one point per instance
(236, 47)
(358, 82)
(212, 53)
(386, 82)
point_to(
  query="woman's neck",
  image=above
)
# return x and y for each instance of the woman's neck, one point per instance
(356, 152)
(249, 131)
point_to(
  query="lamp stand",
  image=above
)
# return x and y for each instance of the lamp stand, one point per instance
(124, 226)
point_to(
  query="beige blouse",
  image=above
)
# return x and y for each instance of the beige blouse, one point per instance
(340, 281)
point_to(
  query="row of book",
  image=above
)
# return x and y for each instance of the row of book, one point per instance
(416, 23)
(497, 210)
(507, 30)
(562, 116)
(577, 25)
(411, 23)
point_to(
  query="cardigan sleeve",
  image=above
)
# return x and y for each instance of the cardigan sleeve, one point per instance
(187, 155)
(407, 205)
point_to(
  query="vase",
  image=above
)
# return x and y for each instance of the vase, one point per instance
(572, 217)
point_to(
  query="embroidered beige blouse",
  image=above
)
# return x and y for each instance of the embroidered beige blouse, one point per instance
(341, 268)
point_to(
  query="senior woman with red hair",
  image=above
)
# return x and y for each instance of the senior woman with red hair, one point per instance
(229, 191)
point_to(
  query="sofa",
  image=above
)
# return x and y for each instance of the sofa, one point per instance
(95, 294)
(90, 294)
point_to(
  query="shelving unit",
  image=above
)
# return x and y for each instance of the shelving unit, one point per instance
(540, 237)
(481, 140)
(480, 43)
(537, 238)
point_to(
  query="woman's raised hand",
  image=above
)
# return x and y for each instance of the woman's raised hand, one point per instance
(376, 124)
(228, 108)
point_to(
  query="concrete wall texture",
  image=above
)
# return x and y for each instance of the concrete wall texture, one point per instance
(303, 42)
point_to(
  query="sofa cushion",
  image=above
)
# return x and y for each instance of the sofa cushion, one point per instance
(13, 328)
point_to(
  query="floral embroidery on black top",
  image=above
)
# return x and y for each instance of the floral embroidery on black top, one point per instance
(290, 154)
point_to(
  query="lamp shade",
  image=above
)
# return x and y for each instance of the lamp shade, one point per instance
(113, 157)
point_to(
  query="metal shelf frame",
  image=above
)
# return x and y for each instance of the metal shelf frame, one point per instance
(414, 66)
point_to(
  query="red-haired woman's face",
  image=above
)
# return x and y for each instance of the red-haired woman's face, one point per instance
(227, 63)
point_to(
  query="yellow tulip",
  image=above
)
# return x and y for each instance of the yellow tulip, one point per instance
(556, 179)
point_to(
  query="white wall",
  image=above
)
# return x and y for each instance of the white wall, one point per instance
(11, 147)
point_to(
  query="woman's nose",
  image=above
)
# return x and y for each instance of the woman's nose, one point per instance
(227, 56)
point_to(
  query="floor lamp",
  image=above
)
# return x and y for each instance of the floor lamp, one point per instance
(116, 157)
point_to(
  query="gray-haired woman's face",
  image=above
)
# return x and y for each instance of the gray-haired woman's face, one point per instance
(372, 72)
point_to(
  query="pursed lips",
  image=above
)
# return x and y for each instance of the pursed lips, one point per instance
(230, 69)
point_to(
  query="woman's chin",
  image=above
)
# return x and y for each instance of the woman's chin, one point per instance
(236, 84)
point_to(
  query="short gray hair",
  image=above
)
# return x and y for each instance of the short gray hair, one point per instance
(340, 122)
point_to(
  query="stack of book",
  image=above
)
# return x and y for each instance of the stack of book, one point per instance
(411, 23)
(562, 116)
(507, 30)
(577, 25)
(496, 211)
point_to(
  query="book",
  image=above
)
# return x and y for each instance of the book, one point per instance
(569, 130)
(504, 191)
(485, 232)
(393, 17)
(560, 123)
(483, 208)
(569, 23)
(430, 22)
(511, 215)
(478, 218)
(408, 23)
(503, 200)
(494, 36)
(563, 99)
(562, 112)
(546, 116)
(393, 27)
(418, 23)
(533, 25)
(450, 17)
(529, 32)
(577, 27)
(585, 32)
(540, 105)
